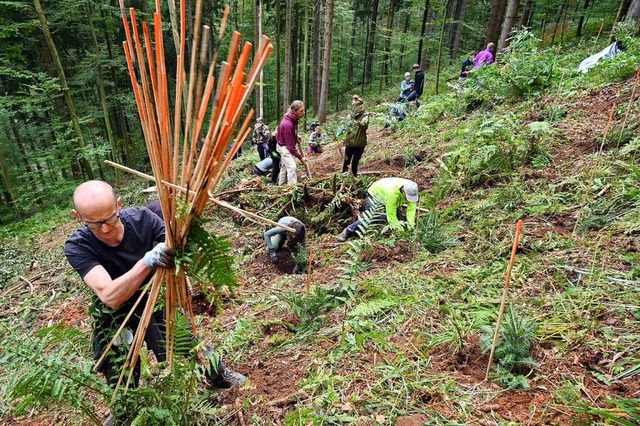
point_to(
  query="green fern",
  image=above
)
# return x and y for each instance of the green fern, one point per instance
(372, 307)
(208, 260)
(50, 372)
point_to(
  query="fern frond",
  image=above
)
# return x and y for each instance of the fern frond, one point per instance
(372, 307)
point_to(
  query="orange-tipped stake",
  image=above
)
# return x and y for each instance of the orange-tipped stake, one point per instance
(507, 279)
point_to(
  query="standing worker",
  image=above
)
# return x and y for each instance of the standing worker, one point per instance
(260, 138)
(288, 138)
(393, 193)
(356, 137)
(418, 84)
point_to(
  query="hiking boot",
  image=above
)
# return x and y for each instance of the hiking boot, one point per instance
(343, 236)
(109, 421)
(229, 379)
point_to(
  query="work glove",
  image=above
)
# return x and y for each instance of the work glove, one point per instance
(274, 257)
(160, 256)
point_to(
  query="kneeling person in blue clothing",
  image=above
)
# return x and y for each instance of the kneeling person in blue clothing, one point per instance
(276, 238)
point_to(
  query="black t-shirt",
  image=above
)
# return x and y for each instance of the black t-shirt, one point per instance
(142, 230)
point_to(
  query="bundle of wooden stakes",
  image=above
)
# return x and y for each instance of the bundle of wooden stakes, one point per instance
(188, 152)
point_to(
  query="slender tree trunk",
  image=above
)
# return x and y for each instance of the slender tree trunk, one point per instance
(451, 12)
(328, 38)
(495, 20)
(558, 19)
(431, 21)
(564, 23)
(455, 48)
(525, 20)
(581, 19)
(101, 93)
(121, 120)
(10, 192)
(385, 75)
(86, 167)
(287, 56)
(278, 72)
(371, 46)
(260, 106)
(353, 42)
(317, 46)
(364, 55)
(405, 30)
(441, 46)
(423, 33)
(305, 59)
(509, 21)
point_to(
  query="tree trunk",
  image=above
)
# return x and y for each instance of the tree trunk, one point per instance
(288, 51)
(10, 192)
(525, 20)
(317, 47)
(455, 48)
(371, 46)
(278, 72)
(441, 46)
(385, 75)
(423, 33)
(84, 163)
(581, 19)
(305, 59)
(425, 63)
(121, 120)
(558, 19)
(102, 94)
(495, 20)
(405, 29)
(633, 14)
(509, 21)
(328, 38)
(353, 41)
(260, 103)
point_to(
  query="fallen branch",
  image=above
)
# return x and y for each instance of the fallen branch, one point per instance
(585, 272)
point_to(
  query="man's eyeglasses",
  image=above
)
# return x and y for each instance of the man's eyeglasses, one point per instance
(108, 221)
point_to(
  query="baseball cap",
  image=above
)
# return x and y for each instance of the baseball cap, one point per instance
(411, 191)
(407, 74)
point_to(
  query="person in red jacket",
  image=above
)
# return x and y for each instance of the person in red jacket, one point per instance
(287, 140)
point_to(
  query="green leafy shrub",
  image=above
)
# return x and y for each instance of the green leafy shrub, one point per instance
(512, 349)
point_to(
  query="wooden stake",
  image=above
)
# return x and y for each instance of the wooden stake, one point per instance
(309, 268)
(507, 279)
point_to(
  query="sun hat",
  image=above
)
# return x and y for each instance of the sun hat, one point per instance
(411, 191)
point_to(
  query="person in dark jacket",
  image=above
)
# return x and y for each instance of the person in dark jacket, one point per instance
(260, 138)
(418, 83)
(356, 136)
(275, 157)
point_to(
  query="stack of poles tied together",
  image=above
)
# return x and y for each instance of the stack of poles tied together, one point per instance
(188, 152)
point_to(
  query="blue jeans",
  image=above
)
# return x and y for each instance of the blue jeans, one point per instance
(368, 205)
(263, 150)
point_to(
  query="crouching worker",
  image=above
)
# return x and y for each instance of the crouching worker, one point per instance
(116, 252)
(276, 238)
(392, 193)
(263, 168)
(316, 139)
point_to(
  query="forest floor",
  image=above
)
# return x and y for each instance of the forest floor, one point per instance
(301, 374)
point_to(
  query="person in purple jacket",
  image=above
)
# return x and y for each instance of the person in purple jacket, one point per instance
(485, 57)
(287, 139)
